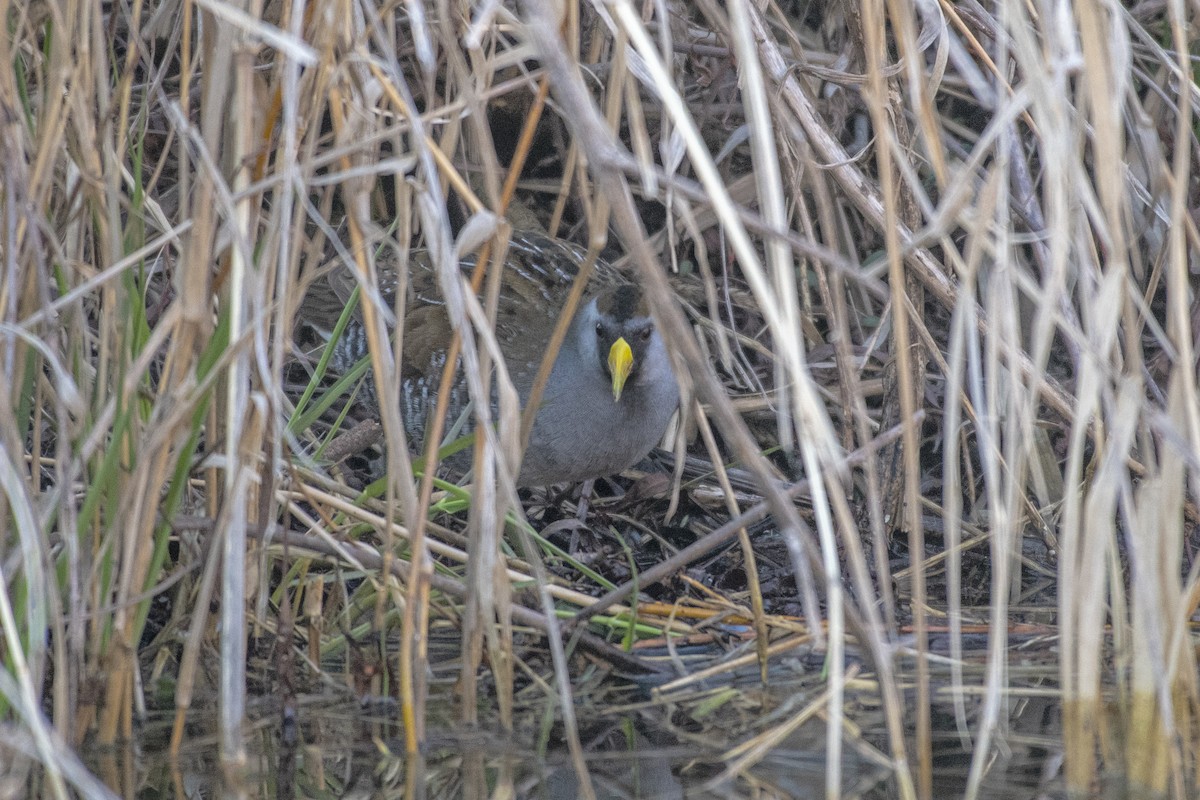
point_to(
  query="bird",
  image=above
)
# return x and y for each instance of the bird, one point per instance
(612, 390)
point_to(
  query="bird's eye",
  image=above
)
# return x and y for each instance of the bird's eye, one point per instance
(645, 334)
(599, 328)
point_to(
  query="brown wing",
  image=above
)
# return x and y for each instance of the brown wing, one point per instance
(539, 272)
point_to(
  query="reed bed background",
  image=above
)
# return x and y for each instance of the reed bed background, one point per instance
(928, 270)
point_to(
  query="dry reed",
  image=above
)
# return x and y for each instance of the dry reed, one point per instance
(944, 254)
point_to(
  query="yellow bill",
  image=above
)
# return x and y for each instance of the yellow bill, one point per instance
(620, 363)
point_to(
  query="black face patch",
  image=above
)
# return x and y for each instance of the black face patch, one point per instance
(623, 304)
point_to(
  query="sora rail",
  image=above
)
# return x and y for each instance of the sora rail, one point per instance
(610, 394)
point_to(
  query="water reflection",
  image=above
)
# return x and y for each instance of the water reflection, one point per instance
(344, 751)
